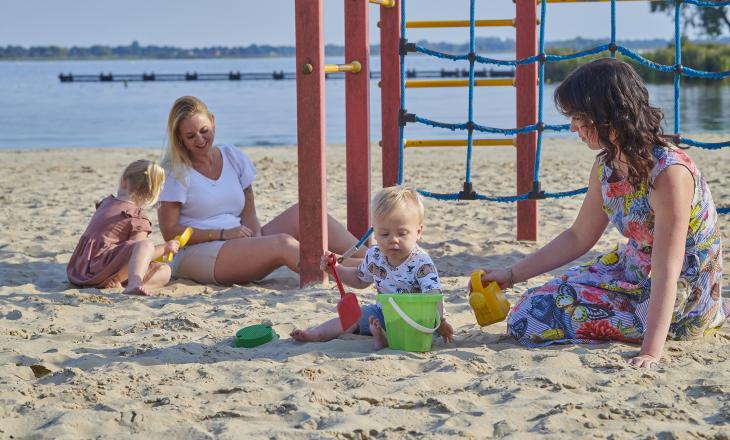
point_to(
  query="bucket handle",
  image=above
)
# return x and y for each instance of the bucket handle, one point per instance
(413, 323)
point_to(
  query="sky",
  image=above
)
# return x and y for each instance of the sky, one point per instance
(200, 23)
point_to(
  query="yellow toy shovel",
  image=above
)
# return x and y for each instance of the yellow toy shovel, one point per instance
(182, 239)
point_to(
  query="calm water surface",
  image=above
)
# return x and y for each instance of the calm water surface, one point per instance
(39, 111)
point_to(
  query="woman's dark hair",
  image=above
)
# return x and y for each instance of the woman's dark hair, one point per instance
(610, 94)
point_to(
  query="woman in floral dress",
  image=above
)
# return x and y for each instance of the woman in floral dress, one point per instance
(665, 281)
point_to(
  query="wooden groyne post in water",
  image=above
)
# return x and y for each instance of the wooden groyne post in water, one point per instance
(275, 75)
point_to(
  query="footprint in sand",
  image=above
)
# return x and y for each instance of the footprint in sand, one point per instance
(14, 315)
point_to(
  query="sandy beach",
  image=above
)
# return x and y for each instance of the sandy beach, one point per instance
(87, 363)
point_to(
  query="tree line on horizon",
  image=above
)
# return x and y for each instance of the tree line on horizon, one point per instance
(137, 51)
(708, 57)
(709, 22)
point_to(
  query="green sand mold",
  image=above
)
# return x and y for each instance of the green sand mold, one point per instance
(255, 335)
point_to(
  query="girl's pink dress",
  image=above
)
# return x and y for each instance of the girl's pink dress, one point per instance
(106, 246)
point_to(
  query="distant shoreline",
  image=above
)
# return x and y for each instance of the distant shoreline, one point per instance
(140, 58)
(135, 51)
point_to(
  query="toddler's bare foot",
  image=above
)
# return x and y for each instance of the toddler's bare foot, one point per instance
(308, 335)
(138, 290)
(381, 341)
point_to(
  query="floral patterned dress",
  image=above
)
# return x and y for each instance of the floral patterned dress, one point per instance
(608, 298)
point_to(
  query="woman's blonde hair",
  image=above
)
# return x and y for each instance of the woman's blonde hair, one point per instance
(144, 181)
(177, 157)
(391, 198)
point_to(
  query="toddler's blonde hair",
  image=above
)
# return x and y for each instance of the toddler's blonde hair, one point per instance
(391, 198)
(177, 157)
(144, 181)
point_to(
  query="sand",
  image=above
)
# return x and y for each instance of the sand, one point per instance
(86, 363)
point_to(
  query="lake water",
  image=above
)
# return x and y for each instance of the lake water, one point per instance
(39, 111)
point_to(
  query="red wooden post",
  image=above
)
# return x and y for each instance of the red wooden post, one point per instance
(526, 82)
(311, 140)
(390, 21)
(357, 113)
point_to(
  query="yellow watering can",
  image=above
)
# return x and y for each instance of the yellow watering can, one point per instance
(488, 302)
(182, 239)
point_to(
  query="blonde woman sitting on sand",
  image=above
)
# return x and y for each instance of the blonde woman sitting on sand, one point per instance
(114, 249)
(210, 188)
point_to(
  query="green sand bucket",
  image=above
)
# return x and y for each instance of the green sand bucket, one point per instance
(410, 319)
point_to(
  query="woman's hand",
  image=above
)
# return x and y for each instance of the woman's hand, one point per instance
(237, 232)
(647, 361)
(171, 246)
(498, 274)
(256, 232)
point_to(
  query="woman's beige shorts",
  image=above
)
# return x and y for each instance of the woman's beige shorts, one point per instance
(197, 262)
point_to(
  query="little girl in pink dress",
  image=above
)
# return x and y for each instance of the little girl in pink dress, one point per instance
(114, 250)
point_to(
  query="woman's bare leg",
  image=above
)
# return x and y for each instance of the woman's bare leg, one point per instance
(248, 259)
(339, 238)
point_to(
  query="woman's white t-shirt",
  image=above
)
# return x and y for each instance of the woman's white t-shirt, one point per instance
(212, 204)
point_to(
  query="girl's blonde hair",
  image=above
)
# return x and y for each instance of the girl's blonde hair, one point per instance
(391, 198)
(144, 181)
(177, 157)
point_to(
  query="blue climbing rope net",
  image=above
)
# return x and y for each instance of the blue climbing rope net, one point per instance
(541, 58)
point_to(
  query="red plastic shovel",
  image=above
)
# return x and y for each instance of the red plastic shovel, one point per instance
(348, 309)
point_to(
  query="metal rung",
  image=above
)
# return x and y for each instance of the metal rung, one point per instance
(418, 143)
(506, 22)
(459, 83)
(597, 1)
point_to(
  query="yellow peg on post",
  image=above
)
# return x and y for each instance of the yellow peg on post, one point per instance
(384, 3)
(353, 67)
